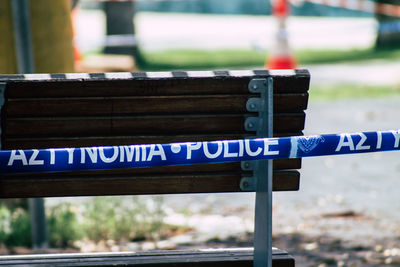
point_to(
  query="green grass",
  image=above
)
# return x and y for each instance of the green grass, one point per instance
(351, 91)
(200, 59)
(239, 59)
(339, 56)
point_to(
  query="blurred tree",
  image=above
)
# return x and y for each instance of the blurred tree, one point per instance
(51, 31)
(388, 31)
(8, 62)
(51, 36)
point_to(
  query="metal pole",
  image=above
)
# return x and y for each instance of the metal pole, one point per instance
(38, 223)
(23, 43)
(22, 35)
(263, 174)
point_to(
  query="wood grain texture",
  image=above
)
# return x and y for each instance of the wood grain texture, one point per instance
(149, 87)
(183, 258)
(29, 142)
(139, 105)
(56, 185)
(142, 125)
(61, 113)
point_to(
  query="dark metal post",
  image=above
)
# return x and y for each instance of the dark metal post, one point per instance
(38, 223)
(23, 42)
(22, 35)
(263, 174)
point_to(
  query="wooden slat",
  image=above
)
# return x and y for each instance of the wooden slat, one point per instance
(279, 164)
(191, 258)
(29, 142)
(295, 84)
(149, 87)
(115, 106)
(142, 125)
(51, 185)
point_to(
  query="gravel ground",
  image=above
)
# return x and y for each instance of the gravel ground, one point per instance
(346, 212)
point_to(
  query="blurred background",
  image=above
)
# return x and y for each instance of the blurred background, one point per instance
(347, 212)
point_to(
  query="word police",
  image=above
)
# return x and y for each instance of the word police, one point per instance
(142, 153)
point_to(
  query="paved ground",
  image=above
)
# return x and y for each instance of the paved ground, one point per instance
(373, 72)
(157, 31)
(365, 183)
(346, 212)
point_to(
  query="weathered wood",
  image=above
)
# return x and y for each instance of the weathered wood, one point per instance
(29, 142)
(51, 185)
(115, 106)
(280, 164)
(64, 113)
(242, 257)
(142, 125)
(149, 87)
(103, 112)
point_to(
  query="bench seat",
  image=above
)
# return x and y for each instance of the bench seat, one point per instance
(242, 257)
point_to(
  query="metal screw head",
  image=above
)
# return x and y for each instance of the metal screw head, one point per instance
(245, 184)
(255, 86)
(252, 106)
(250, 125)
(247, 165)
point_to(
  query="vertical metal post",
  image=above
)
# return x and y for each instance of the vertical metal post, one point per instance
(2, 89)
(263, 174)
(23, 42)
(38, 223)
(22, 35)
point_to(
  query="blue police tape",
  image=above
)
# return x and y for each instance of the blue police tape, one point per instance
(139, 156)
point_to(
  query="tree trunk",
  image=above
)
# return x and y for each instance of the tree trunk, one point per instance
(388, 36)
(52, 36)
(8, 61)
(52, 52)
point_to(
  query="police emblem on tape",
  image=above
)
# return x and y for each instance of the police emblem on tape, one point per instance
(309, 143)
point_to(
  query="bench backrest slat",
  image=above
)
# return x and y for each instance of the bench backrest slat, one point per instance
(153, 105)
(141, 125)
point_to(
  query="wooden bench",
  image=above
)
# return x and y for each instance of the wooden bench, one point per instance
(80, 110)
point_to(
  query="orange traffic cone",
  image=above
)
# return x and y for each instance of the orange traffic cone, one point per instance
(281, 56)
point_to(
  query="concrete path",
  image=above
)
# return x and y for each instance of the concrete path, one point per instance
(365, 185)
(370, 73)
